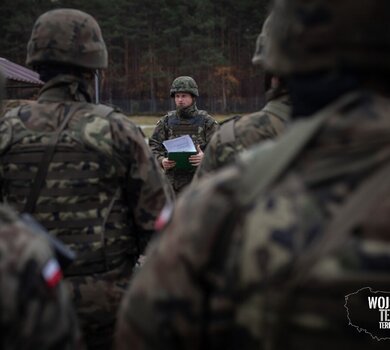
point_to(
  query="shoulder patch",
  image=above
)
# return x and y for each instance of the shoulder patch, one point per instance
(52, 273)
(165, 217)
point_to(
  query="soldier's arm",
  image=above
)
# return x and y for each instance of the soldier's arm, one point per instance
(146, 187)
(156, 141)
(36, 309)
(210, 158)
(164, 308)
(211, 126)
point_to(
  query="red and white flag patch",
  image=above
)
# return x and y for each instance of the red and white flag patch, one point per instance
(164, 217)
(52, 273)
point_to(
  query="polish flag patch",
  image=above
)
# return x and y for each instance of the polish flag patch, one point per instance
(52, 273)
(164, 217)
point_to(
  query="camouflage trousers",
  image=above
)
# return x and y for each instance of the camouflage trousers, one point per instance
(179, 179)
(96, 298)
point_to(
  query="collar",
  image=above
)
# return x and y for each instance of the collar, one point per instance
(64, 88)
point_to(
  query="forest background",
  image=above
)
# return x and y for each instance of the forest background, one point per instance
(150, 42)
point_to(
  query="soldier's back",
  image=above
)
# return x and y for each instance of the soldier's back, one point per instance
(86, 198)
(295, 268)
(36, 312)
(235, 270)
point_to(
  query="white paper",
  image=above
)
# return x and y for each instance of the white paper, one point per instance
(180, 144)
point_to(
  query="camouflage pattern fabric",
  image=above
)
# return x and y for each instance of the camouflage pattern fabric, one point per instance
(184, 84)
(36, 312)
(215, 278)
(249, 130)
(67, 36)
(101, 196)
(191, 121)
(9, 104)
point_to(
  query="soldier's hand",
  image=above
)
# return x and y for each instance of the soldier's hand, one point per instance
(196, 159)
(168, 164)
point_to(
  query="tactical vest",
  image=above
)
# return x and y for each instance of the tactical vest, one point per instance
(80, 199)
(185, 126)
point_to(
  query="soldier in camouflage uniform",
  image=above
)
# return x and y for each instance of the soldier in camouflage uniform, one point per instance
(262, 255)
(83, 170)
(240, 133)
(187, 119)
(36, 312)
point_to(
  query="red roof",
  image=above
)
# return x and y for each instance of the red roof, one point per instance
(13, 71)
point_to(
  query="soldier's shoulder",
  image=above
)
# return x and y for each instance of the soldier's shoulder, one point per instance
(169, 114)
(166, 117)
(279, 107)
(102, 127)
(231, 119)
(205, 114)
(252, 119)
(107, 114)
(11, 104)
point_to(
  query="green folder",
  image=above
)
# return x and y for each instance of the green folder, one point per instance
(181, 159)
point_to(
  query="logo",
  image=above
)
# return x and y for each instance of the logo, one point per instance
(369, 312)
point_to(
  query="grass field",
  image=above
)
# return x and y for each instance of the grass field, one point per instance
(147, 123)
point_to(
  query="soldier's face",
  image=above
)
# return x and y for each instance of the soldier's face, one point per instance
(183, 100)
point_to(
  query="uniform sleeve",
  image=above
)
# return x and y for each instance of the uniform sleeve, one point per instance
(156, 140)
(164, 307)
(146, 187)
(209, 161)
(210, 127)
(36, 309)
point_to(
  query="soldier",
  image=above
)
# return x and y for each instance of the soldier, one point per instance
(36, 312)
(240, 133)
(83, 170)
(263, 254)
(185, 120)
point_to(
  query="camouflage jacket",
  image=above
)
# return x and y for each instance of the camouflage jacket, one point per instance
(220, 276)
(242, 133)
(101, 195)
(196, 123)
(35, 307)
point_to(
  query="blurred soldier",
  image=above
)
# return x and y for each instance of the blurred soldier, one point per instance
(263, 255)
(187, 119)
(240, 133)
(36, 312)
(83, 170)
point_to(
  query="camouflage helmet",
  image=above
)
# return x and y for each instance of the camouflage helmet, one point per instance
(313, 35)
(261, 42)
(69, 37)
(184, 84)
